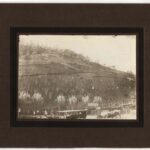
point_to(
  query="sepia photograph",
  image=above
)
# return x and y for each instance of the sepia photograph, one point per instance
(77, 77)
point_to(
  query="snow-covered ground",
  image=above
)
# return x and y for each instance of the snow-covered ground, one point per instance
(130, 115)
(91, 117)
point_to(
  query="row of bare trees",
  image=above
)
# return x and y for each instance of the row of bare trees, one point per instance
(61, 101)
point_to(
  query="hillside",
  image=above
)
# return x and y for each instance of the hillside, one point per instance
(50, 73)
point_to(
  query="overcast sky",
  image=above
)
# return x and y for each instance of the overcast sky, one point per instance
(118, 51)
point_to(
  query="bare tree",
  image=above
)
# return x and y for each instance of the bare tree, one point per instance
(72, 101)
(60, 101)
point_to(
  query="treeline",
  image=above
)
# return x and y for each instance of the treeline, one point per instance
(73, 91)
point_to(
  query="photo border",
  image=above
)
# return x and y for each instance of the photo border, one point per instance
(15, 31)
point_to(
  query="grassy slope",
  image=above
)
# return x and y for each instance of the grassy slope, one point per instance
(52, 72)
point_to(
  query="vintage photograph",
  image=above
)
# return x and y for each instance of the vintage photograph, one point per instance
(77, 77)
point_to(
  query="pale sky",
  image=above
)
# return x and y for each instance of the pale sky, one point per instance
(118, 51)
